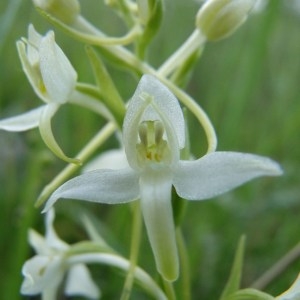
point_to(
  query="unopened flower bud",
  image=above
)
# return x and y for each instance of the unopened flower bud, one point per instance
(218, 19)
(64, 10)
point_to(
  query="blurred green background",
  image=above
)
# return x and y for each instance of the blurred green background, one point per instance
(249, 86)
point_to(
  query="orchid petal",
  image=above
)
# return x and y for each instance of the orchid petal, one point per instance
(158, 216)
(23, 122)
(79, 282)
(58, 74)
(52, 239)
(47, 135)
(153, 101)
(34, 40)
(41, 273)
(293, 293)
(102, 186)
(38, 242)
(219, 172)
(113, 159)
(32, 71)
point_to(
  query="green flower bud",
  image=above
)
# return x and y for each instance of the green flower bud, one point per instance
(64, 10)
(218, 19)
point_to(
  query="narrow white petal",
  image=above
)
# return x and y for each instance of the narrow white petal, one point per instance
(158, 216)
(47, 134)
(23, 122)
(58, 74)
(34, 40)
(80, 283)
(41, 273)
(102, 186)
(293, 293)
(219, 172)
(32, 72)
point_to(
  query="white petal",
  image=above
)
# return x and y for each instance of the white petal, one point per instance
(34, 40)
(293, 293)
(158, 216)
(32, 72)
(38, 243)
(102, 186)
(53, 241)
(41, 273)
(58, 74)
(23, 122)
(80, 283)
(163, 106)
(219, 172)
(47, 134)
(113, 159)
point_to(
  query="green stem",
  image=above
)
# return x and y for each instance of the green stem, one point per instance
(141, 277)
(169, 290)
(89, 37)
(198, 112)
(195, 41)
(277, 269)
(134, 250)
(184, 264)
(83, 155)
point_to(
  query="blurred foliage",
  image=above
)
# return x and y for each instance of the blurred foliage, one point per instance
(248, 84)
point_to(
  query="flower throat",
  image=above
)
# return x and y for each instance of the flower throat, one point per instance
(153, 148)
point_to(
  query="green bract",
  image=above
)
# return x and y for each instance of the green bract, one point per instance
(153, 134)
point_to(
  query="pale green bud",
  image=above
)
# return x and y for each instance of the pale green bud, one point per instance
(218, 19)
(64, 10)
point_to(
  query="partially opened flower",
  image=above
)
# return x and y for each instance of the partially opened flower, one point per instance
(153, 134)
(46, 270)
(53, 79)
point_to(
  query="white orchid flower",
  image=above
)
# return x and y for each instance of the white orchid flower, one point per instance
(153, 134)
(53, 79)
(45, 271)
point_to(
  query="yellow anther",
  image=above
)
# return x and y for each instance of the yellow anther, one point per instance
(152, 146)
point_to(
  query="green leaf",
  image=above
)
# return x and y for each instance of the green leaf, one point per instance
(111, 96)
(233, 283)
(152, 25)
